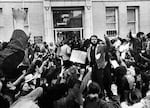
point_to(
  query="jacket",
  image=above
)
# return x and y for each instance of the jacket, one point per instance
(100, 53)
(99, 50)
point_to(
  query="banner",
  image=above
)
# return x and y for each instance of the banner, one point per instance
(78, 56)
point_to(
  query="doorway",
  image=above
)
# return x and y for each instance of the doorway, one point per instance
(68, 24)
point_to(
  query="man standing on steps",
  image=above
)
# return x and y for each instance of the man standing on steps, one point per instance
(96, 57)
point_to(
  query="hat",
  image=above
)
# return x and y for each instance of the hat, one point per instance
(148, 35)
(72, 70)
(120, 71)
(131, 70)
(94, 88)
(135, 96)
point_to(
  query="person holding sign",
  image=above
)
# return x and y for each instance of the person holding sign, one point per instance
(96, 57)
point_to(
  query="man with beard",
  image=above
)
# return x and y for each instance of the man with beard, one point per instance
(96, 57)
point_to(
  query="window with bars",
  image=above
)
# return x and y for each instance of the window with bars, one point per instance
(112, 21)
(132, 19)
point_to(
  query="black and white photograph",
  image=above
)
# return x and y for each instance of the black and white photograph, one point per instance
(74, 53)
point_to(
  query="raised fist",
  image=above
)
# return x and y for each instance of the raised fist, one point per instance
(19, 14)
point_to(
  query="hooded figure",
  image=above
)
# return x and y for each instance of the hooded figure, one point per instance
(13, 54)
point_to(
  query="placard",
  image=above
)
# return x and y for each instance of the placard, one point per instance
(78, 56)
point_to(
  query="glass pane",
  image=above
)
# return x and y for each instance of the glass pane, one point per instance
(73, 37)
(110, 20)
(1, 17)
(132, 27)
(67, 18)
(1, 11)
(111, 26)
(131, 15)
(26, 20)
(77, 13)
(110, 11)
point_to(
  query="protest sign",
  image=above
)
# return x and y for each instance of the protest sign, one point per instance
(78, 56)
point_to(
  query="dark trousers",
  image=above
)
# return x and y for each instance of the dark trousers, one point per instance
(97, 76)
(103, 78)
(67, 63)
(107, 79)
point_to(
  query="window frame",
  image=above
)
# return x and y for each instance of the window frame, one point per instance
(2, 18)
(136, 9)
(26, 22)
(116, 21)
(61, 29)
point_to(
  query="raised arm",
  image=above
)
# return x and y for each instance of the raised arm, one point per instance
(19, 37)
(108, 43)
(19, 16)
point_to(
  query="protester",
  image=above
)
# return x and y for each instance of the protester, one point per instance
(96, 56)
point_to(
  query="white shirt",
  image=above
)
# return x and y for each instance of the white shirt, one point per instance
(65, 50)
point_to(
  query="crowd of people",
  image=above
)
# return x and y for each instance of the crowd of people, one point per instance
(115, 73)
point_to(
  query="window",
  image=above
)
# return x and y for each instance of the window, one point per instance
(68, 23)
(112, 21)
(26, 23)
(132, 19)
(1, 17)
(68, 18)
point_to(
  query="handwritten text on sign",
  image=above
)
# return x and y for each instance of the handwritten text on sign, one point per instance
(78, 56)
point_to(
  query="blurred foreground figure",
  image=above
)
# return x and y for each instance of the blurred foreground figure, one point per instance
(12, 55)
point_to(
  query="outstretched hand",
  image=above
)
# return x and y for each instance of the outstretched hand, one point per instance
(19, 17)
(106, 37)
(19, 14)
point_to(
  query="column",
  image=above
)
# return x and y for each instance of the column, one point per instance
(48, 22)
(88, 26)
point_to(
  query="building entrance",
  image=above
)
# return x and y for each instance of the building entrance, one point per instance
(68, 24)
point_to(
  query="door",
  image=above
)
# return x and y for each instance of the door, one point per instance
(68, 24)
